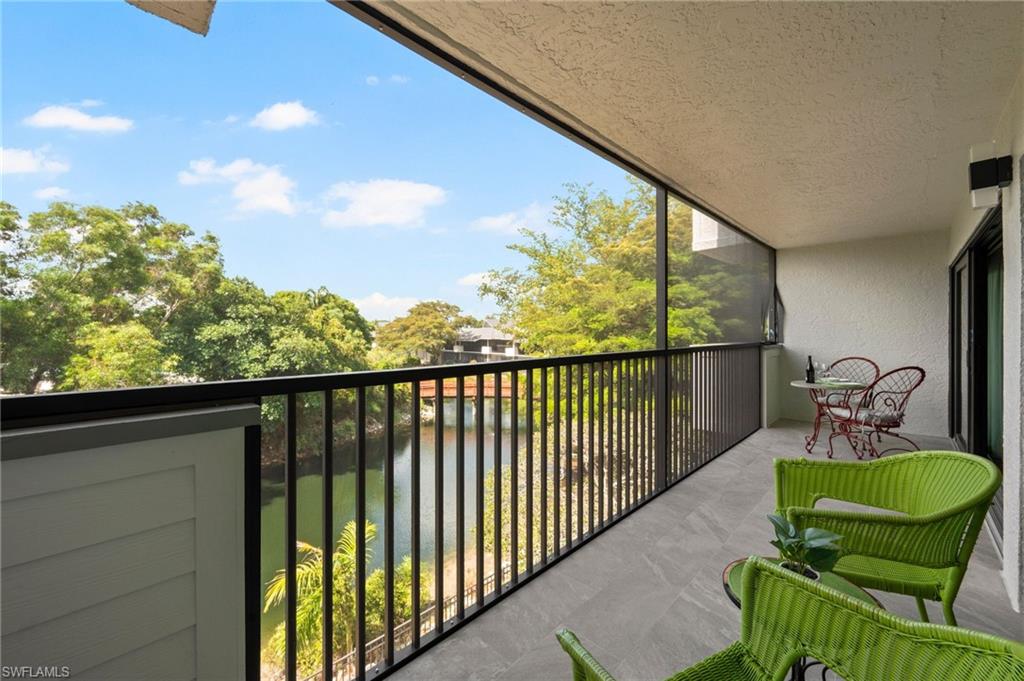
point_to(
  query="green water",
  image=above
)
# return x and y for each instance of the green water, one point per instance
(308, 503)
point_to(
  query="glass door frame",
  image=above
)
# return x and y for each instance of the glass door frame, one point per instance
(971, 260)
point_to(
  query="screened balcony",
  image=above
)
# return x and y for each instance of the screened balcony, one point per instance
(648, 596)
(442, 522)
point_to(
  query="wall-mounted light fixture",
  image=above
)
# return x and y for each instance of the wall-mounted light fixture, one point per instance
(988, 174)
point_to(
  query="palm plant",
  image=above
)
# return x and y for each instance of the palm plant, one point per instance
(309, 589)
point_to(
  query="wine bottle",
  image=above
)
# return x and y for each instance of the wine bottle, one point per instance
(810, 370)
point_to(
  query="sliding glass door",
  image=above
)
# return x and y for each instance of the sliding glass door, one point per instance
(976, 347)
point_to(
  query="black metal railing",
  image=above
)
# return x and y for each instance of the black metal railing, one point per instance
(470, 356)
(714, 402)
(562, 448)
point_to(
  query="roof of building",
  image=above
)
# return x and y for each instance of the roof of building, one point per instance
(481, 333)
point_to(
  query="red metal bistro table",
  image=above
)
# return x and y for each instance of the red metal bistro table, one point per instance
(819, 392)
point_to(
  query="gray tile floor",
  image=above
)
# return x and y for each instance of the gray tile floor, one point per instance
(646, 596)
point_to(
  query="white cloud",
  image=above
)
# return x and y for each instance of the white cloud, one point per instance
(504, 222)
(382, 202)
(284, 115)
(24, 161)
(533, 216)
(372, 80)
(89, 103)
(48, 193)
(378, 306)
(256, 187)
(73, 119)
(231, 119)
(473, 279)
(399, 79)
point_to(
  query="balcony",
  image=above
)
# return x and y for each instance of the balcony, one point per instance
(648, 593)
(625, 483)
(440, 522)
(519, 464)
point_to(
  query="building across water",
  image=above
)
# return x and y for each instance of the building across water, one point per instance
(481, 344)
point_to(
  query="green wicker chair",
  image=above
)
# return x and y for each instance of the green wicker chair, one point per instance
(922, 551)
(787, 617)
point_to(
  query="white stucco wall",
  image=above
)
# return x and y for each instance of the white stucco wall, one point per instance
(881, 298)
(1009, 139)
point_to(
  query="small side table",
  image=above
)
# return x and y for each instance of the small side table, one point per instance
(732, 579)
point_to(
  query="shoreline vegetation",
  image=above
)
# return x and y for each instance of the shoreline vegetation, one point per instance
(96, 297)
(310, 593)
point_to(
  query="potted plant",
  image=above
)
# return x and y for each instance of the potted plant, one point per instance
(809, 551)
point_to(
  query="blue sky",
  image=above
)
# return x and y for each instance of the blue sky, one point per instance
(319, 151)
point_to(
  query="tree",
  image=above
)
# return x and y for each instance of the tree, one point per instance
(425, 330)
(230, 335)
(589, 282)
(116, 356)
(314, 337)
(76, 266)
(588, 285)
(13, 248)
(83, 281)
(309, 598)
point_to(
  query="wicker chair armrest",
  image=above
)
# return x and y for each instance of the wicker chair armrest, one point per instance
(929, 541)
(801, 483)
(584, 666)
(716, 667)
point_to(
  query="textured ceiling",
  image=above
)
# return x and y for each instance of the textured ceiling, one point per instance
(803, 122)
(191, 14)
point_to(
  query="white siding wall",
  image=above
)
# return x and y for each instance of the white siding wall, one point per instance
(125, 561)
(1009, 138)
(885, 299)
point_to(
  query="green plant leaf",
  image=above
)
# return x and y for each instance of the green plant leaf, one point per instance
(792, 544)
(814, 537)
(819, 543)
(823, 559)
(783, 528)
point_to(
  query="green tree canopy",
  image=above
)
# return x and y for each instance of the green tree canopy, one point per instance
(589, 281)
(243, 333)
(425, 330)
(116, 355)
(73, 267)
(95, 297)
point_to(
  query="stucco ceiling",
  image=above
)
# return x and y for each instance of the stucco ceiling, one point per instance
(191, 14)
(802, 122)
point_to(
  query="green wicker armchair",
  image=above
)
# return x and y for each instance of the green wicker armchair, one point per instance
(787, 617)
(923, 550)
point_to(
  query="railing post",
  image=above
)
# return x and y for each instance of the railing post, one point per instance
(291, 534)
(661, 334)
(253, 583)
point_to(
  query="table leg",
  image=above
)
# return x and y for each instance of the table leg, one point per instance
(812, 439)
(805, 667)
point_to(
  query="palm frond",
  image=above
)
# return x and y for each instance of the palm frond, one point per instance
(308, 576)
(346, 547)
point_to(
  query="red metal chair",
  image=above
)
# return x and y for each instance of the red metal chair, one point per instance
(859, 369)
(880, 410)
